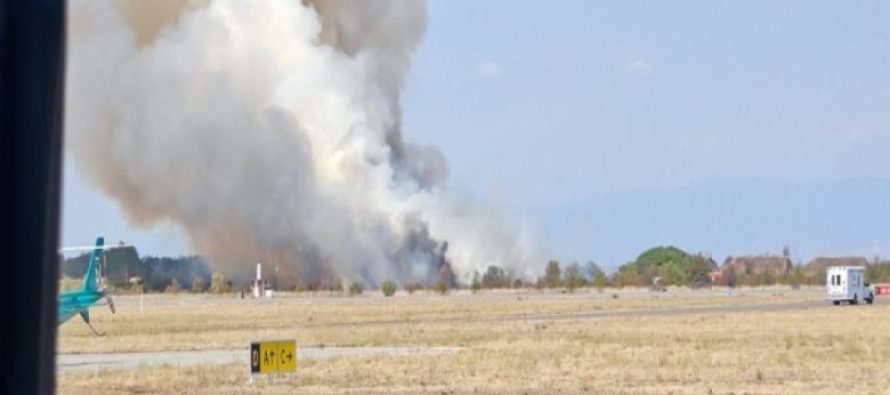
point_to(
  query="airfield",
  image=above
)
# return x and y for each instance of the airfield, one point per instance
(772, 340)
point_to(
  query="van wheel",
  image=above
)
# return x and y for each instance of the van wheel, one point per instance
(869, 301)
(836, 302)
(855, 299)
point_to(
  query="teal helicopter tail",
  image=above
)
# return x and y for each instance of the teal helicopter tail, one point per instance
(91, 278)
(79, 302)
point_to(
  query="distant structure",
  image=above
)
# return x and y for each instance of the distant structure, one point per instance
(818, 265)
(259, 286)
(716, 276)
(773, 265)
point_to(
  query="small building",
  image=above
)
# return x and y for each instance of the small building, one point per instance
(716, 276)
(759, 265)
(820, 264)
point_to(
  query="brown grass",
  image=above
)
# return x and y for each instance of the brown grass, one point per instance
(69, 284)
(821, 351)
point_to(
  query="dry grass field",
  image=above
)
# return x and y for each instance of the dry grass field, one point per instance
(510, 342)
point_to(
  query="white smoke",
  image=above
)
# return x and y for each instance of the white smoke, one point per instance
(270, 131)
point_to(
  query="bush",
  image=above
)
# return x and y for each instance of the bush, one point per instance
(796, 278)
(476, 285)
(877, 272)
(441, 287)
(136, 287)
(356, 289)
(698, 272)
(413, 287)
(388, 288)
(219, 284)
(174, 287)
(197, 285)
(626, 276)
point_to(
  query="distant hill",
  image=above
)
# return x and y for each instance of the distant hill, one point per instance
(727, 217)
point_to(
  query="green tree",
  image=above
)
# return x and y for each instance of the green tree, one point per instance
(673, 265)
(388, 288)
(796, 278)
(495, 277)
(553, 275)
(600, 280)
(591, 269)
(356, 289)
(648, 264)
(572, 278)
(476, 285)
(671, 274)
(698, 270)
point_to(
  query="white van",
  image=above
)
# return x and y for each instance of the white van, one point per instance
(847, 284)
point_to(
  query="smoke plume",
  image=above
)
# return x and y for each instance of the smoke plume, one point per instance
(271, 131)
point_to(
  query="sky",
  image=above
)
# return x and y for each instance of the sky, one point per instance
(544, 107)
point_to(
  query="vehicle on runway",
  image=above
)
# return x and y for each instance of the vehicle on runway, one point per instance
(90, 294)
(847, 284)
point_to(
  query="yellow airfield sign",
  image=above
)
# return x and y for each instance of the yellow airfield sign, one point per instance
(276, 356)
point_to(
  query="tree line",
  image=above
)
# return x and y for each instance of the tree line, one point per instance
(123, 269)
(663, 266)
(656, 267)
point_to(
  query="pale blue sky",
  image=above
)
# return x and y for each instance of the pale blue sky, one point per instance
(540, 106)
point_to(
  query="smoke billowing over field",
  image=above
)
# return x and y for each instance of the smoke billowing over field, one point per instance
(271, 131)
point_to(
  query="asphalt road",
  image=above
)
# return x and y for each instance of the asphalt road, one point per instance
(322, 297)
(131, 360)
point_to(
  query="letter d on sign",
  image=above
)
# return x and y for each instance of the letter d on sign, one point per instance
(254, 357)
